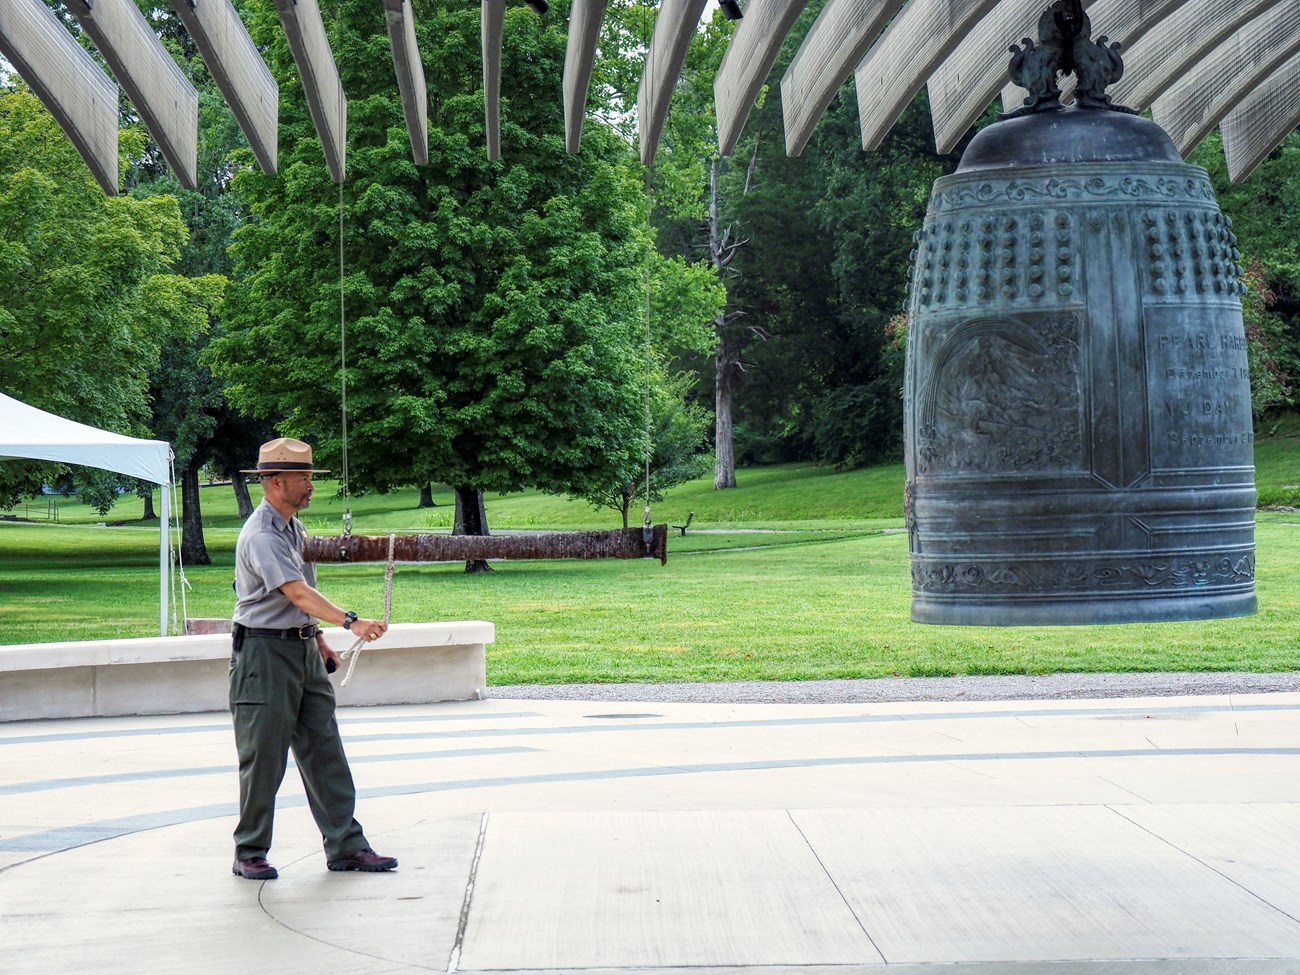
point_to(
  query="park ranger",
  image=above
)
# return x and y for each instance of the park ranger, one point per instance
(280, 694)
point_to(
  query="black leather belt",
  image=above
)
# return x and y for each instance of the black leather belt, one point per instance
(304, 632)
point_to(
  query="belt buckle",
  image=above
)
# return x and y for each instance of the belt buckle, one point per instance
(306, 631)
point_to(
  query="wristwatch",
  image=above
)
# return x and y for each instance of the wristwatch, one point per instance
(348, 619)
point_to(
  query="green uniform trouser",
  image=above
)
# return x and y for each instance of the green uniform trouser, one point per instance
(281, 699)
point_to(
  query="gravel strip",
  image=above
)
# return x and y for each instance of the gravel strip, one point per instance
(999, 688)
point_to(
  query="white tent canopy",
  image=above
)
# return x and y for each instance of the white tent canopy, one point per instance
(29, 433)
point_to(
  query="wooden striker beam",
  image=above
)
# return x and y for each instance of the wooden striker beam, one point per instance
(626, 543)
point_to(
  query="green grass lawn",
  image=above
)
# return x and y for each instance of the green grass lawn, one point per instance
(799, 573)
(787, 495)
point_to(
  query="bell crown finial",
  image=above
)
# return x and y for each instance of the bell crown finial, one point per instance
(1065, 46)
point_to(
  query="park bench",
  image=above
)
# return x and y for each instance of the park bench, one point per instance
(413, 663)
(682, 528)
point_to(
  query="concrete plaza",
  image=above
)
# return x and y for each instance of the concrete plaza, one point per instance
(1082, 837)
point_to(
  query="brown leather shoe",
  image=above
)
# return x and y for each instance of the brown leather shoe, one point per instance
(254, 868)
(367, 860)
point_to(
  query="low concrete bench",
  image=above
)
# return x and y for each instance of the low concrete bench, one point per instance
(413, 663)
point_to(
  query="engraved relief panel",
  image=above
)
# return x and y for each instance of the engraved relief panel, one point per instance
(1000, 395)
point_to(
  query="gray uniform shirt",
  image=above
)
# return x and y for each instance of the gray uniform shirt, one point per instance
(267, 555)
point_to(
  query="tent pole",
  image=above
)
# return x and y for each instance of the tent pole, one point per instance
(164, 557)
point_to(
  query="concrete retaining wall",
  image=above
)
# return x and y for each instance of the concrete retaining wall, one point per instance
(413, 663)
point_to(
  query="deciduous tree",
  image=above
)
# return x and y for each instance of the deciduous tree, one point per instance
(87, 287)
(492, 308)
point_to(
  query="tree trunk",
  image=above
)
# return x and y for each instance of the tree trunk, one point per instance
(426, 496)
(240, 484)
(149, 513)
(193, 551)
(471, 519)
(721, 252)
(724, 447)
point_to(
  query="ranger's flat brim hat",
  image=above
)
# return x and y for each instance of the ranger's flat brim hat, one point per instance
(284, 456)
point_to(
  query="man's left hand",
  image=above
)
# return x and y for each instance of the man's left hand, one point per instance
(327, 654)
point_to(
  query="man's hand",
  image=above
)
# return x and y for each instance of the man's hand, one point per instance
(326, 653)
(368, 630)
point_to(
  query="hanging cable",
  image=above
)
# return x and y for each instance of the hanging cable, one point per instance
(647, 443)
(647, 448)
(343, 376)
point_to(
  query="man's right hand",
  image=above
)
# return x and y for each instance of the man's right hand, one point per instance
(368, 630)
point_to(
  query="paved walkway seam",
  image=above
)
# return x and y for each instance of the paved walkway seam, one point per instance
(834, 883)
(1118, 811)
(453, 962)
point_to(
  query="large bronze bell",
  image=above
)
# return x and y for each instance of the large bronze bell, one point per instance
(1078, 422)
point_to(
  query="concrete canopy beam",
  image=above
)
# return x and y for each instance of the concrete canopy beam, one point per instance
(1190, 109)
(579, 59)
(167, 102)
(1200, 62)
(674, 28)
(238, 71)
(898, 64)
(410, 76)
(1173, 47)
(842, 33)
(492, 30)
(164, 97)
(753, 50)
(1262, 120)
(305, 32)
(82, 99)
